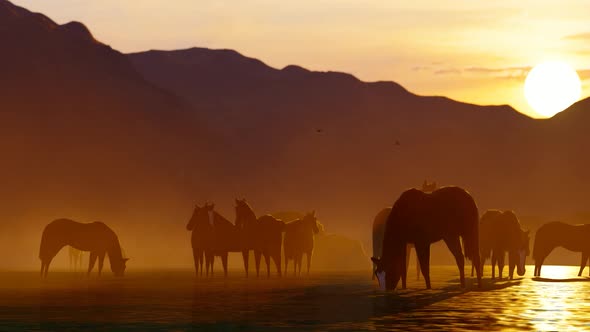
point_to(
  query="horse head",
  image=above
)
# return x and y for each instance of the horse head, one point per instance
(118, 266)
(194, 219)
(379, 272)
(390, 269)
(244, 213)
(311, 221)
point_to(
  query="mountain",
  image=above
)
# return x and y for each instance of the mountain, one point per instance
(344, 142)
(135, 140)
(83, 134)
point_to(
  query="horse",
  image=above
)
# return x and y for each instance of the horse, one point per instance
(299, 240)
(448, 214)
(247, 222)
(226, 238)
(500, 232)
(201, 226)
(264, 235)
(557, 234)
(95, 237)
(378, 231)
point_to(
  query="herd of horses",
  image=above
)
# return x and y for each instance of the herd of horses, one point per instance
(418, 219)
(215, 236)
(212, 236)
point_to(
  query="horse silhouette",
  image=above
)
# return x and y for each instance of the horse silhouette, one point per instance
(448, 214)
(247, 222)
(201, 237)
(264, 235)
(378, 232)
(557, 234)
(95, 237)
(299, 241)
(226, 238)
(500, 232)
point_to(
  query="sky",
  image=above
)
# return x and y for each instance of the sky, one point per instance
(472, 51)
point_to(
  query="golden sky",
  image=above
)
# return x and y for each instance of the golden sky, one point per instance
(473, 51)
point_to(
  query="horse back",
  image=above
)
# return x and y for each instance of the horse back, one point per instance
(449, 211)
(94, 236)
(558, 234)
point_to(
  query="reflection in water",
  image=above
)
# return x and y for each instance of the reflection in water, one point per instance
(176, 301)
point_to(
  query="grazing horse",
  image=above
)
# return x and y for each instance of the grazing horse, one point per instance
(201, 225)
(95, 237)
(264, 235)
(299, 240)
(557, 234)
(500, 232)
(448, 214)
(378, 232)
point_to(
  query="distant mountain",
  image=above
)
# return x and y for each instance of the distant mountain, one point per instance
(81, 129)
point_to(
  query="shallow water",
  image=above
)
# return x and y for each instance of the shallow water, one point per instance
(176, 301)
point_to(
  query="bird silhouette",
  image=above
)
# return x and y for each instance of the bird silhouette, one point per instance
(319, 131)
(397, 143)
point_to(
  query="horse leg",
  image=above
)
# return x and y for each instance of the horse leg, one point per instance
(91, 261)
(494, 259)
(200, 268)
(224, 263)
(267, 261)
(417, 268)
(196, 259)
(500, 264)
(583, 263)
(277, 259)
(286, 264)
(423, 253)
(512, 259)
(308, 255)
(299, 259)
(539, 265)
(257, 254)
(100, 263)
(454, 245)
(246, 257)
(404, 274)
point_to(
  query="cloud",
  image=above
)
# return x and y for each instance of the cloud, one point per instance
(421, 68)
(578, 36)
(512, 72)
(447, 71)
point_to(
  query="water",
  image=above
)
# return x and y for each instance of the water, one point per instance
(176, 301)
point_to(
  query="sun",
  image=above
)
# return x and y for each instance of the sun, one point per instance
(551, 87)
